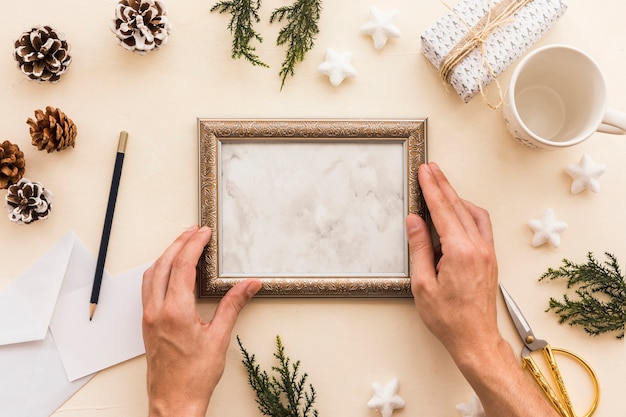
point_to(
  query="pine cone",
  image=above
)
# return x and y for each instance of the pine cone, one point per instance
(52, 130)
(141, 25)
(42, 54)
(11, 164)
(28, 201)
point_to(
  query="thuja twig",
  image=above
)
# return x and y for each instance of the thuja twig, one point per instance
(284, 396)
(299, 32)
(243, 14)
(601, 290)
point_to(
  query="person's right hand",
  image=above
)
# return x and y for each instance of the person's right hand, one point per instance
(456, 295)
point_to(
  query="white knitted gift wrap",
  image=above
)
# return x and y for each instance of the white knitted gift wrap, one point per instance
(502, 45)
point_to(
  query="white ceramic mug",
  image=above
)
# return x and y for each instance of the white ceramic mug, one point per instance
(557, 97)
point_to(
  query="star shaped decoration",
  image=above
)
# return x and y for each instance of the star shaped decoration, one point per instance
(385, 398)
(585, 174)
(337, 66)
(472, 408)
(547, 229)
(381, 26)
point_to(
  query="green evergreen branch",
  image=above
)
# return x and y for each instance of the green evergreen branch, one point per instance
(601, 289)
(299, 32)
(282, 396)
(243, 14)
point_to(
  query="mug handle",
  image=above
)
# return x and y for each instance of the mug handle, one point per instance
(614, 122)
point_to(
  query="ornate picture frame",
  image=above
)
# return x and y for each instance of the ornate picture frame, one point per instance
(397, 147)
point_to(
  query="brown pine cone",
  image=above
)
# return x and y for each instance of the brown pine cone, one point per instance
(141, 25)
(42, 54)
(28, 201)
(12, 164)
(52, 130)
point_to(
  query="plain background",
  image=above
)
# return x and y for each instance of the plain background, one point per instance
(344, 344)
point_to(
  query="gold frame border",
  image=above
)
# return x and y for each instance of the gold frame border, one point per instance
(411, 133)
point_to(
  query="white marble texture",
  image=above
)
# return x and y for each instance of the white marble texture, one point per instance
(320, 209)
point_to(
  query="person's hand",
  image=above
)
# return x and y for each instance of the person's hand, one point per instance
(456, 294)
(185, 356)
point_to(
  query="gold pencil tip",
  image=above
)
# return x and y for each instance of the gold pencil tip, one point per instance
(121, 145)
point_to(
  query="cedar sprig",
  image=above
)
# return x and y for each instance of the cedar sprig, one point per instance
(299, 33)
(601, 289)
(244, 13)
(285, 395)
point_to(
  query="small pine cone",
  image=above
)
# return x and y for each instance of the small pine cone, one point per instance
(52, 130)
(42, 54)
(28, 201)
(12, 164)
(141, 25)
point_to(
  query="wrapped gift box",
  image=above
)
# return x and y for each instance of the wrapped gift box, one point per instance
(504, 45)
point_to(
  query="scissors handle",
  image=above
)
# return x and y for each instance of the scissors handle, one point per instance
(556, 374)
(592, 375)
(564, 408)
(530, 364)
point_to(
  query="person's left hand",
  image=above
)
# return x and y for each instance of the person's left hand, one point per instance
(185, 356)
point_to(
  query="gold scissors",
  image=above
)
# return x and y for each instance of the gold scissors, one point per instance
(562, 402)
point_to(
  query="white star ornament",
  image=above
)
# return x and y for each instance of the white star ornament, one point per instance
(547, 229)
(385, 398)
(381, 26)
(585, 175)
(472, 408)
(337, 66)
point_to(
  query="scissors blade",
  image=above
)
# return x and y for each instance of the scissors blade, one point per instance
(521, 325)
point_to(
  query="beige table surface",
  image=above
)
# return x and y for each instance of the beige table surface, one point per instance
(344, 344)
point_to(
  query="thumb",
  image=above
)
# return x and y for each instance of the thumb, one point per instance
(420, 248)
(231, 304)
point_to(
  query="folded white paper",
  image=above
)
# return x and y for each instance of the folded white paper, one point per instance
(113, 336)
(26, 305)
(40, 370)
(33, 381)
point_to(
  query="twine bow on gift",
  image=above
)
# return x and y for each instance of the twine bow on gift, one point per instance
(496, 17)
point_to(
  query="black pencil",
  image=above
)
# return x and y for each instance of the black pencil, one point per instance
(108, 220)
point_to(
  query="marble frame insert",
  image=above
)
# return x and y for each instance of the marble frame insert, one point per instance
(410, 135)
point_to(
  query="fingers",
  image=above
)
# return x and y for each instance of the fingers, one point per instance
(441, 211)
(156, 278)
(420, 250)
(230, 305)
(482, 219)
(183, 274)
(449, 213)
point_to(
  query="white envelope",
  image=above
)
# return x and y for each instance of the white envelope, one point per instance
(34, 365)
(33, 382)
(113, 336)
(26, 305)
